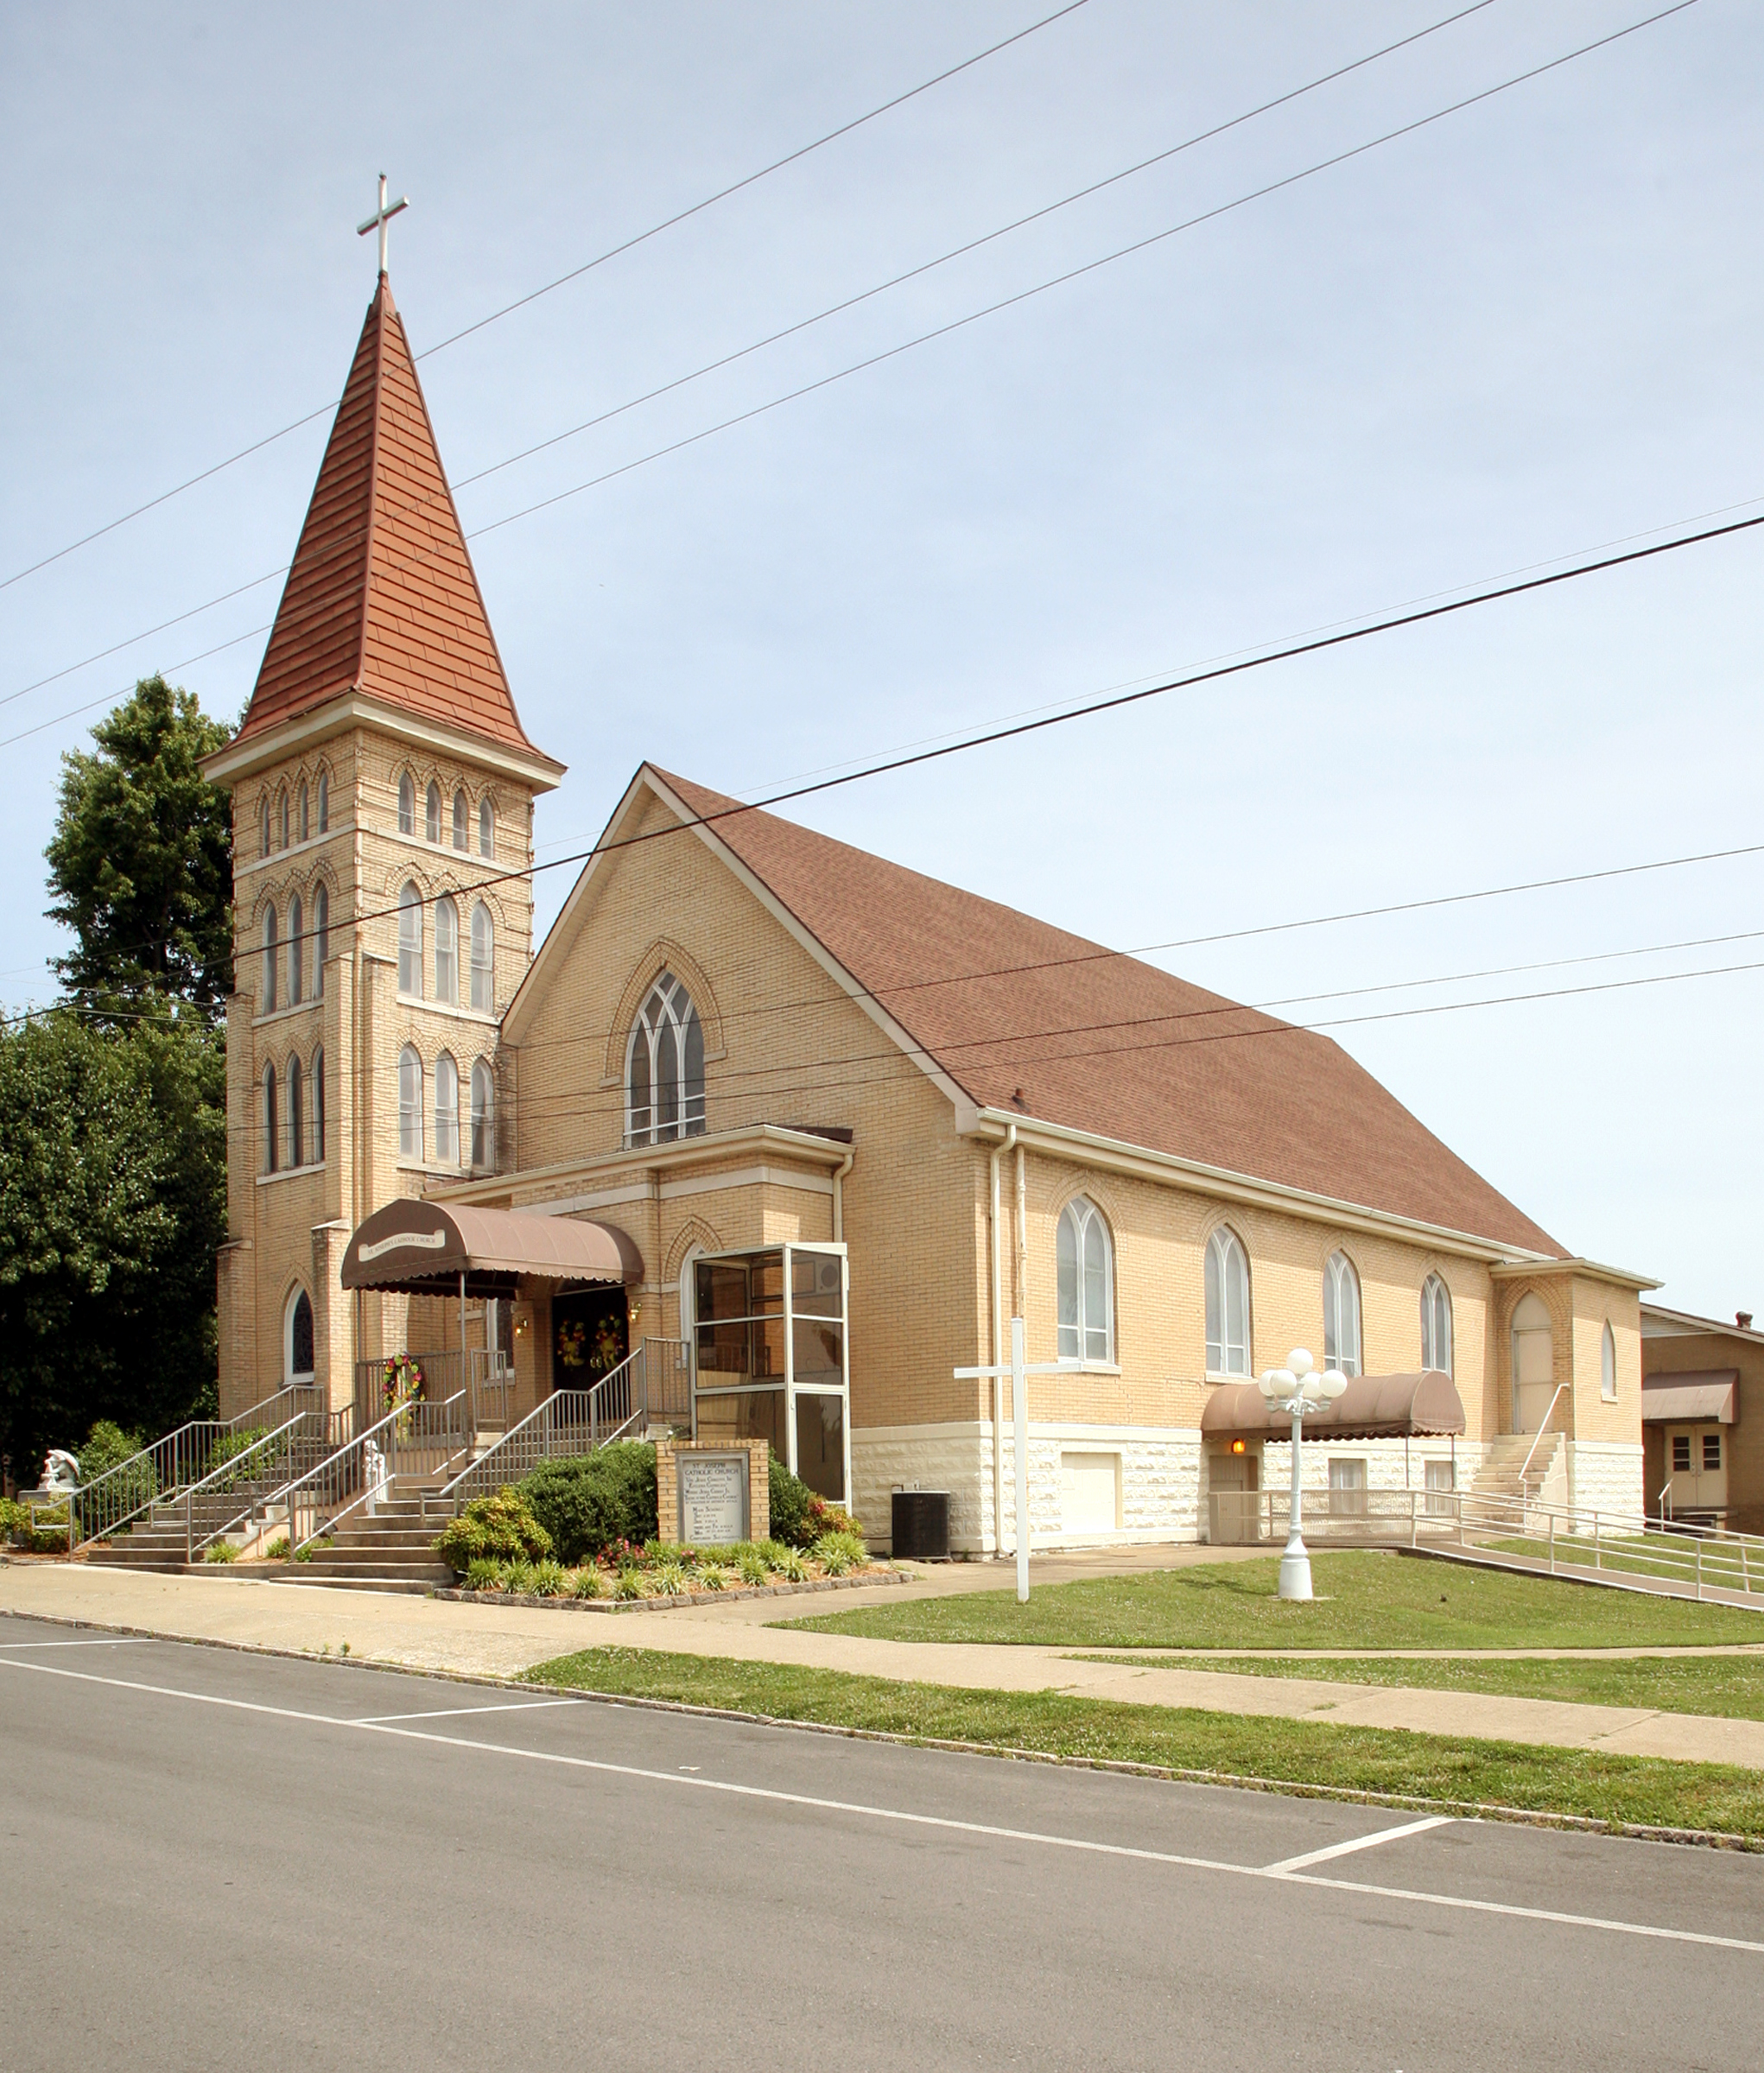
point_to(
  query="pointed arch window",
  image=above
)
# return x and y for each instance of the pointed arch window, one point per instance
(1228, 1305)
(322, 936)
(447, 1111)
(271, 1135)
(1086, 1283)
(298, 1340)
(407, 804)
(462, 821)
(447, 952)
(664, 1067)
(263, 826)
(432, 812)
(482, 1114)
(483, 961)
(296, 1114)
(270, 959)
(486, 827)
(305, 824)
(411, 941)
(1340, 1314)
(324, 803)
(409, 1104)
(318, 1107)
(1435, 1325)
(1608, 1364)
(296, 952)
(282, 818)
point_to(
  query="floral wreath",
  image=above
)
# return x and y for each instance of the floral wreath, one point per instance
(402, 1382)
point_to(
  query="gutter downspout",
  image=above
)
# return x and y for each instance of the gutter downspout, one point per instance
(997, 1322)
(839, 1174)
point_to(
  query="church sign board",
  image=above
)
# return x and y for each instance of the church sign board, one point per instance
(711, 1493)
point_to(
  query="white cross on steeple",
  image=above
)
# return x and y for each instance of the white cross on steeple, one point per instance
(381, 217)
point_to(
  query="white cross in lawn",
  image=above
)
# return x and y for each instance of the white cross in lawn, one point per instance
(381, 217)
(1018, 1370)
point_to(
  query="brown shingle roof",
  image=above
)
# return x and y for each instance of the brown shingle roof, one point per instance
(382, 596)
(1100, 1043)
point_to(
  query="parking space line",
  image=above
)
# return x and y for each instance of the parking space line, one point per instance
(448, 1713)
(1359, 1843)
(97, 1641)
(906, 1816)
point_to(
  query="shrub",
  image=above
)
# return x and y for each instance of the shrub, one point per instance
(838, 1552)
(588, 1503)
(502, 1525)
(107, 1447)
(789, 1564)
(49, 1537)
(519, 1577)
(585, 1583)
(548, 1580)
(229, 1448)
(483, 1573)
(825, 1518)
(792, 1498)
(278, 1549)
(220, 1550)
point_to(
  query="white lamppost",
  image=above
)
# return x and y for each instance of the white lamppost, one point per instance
(1297, 1388)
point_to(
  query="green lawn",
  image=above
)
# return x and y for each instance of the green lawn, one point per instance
(1729, 1686)
(1364, 1601)
(1642, 1791)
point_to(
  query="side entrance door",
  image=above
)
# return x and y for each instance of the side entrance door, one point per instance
(1696, 1467)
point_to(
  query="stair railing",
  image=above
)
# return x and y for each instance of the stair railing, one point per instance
(412, 1438)
(248, 1467)
(1543, 1427)
(1616, 1546)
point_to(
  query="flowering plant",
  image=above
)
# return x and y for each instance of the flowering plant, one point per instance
(401, 1384)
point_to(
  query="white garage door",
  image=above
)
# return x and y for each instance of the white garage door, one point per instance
(1090, 1492)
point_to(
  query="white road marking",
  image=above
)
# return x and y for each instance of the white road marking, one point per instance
(907, 1818)
(97, 1641)
(1359, 1843)
(448, 1713)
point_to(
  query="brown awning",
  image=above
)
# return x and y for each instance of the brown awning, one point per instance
(1710, 1393)
(1373, 1407)
(422, 1248)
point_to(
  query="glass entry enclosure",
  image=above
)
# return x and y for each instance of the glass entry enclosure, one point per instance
(771, 1358)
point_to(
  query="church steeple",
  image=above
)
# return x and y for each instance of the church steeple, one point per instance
(381, 599)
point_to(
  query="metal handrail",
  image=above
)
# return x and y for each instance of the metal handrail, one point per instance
(225, 1473)
(1665, 1491)
(336, 1466)
(1543, 1427)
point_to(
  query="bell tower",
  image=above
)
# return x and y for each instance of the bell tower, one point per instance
(382, 789)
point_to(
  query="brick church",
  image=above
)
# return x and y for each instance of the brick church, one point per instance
(826, 1125)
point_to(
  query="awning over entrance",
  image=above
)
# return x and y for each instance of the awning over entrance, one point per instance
(1678, 1400)
(1373, 1407)
(422, 1248)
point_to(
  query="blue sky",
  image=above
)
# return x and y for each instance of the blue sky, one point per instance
(1509, 338)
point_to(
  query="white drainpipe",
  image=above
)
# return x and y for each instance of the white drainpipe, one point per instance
(997, 1315)
(839, 1174)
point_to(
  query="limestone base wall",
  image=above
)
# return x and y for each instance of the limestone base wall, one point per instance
(1604, 1475)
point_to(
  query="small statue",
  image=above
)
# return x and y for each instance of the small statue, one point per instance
(61, 1470)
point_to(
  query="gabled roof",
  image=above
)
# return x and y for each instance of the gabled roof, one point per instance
(1026, 1019)
(382, 597)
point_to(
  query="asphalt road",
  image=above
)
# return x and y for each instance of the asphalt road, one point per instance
(216, 1860)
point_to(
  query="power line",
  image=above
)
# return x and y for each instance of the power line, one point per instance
(574, 274)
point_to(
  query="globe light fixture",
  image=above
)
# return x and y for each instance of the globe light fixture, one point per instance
(1299, 1388)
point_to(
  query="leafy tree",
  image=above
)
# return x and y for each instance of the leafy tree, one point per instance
(141, 865)
(113, 1208)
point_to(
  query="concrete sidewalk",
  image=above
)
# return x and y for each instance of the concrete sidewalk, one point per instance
(428, 1634)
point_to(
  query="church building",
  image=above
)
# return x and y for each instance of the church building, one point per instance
(826, 1125)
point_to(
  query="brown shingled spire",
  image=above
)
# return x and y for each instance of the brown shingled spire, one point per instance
(382, 597)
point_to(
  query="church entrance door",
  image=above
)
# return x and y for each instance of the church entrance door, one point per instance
(590, 1335)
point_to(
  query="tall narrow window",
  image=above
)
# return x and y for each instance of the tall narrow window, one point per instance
(409, 1104)
(271, 1146)
(447, 1111)
(1608, 1365)
(324, 803)
(1435, 1325)
(282, 818)
(447, 952)
(665, 1067)
(322, 936)
(296, 952)
(1228, 1305)
(462, 821)
(299, 1337)
(483, 960)
(411, 941)
(1341, 1314)
(318, 1108)
(486, 827)
(263, 826)
(431, 812)
(1086, 1280)
(270, 960)
(482, 1114)
(306, 825)
(296, 1114)
(407, 804)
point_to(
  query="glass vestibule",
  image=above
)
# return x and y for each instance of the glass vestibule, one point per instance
(772, 1358)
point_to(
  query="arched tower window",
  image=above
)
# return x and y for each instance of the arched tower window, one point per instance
(1341, 1314)
(1228, 1305)
(431, 812)
(281, 817)
(305, 824)
(486, 827)
(324, 803)
(318, 1108)
(1435, 1325)
(296, 1114)
(297, 1338)
(409, 1104)
(411, 941)
(407, 804)
(482, 1114)
(1086, 1283)
(664, 1067)
(447, 952)
(269, 959)
(1608, 1364)
(483, 960)
(322, 936)
(447, 1110)
(296, 952)
(272, 1160)
(461, 821)
(263, 826)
